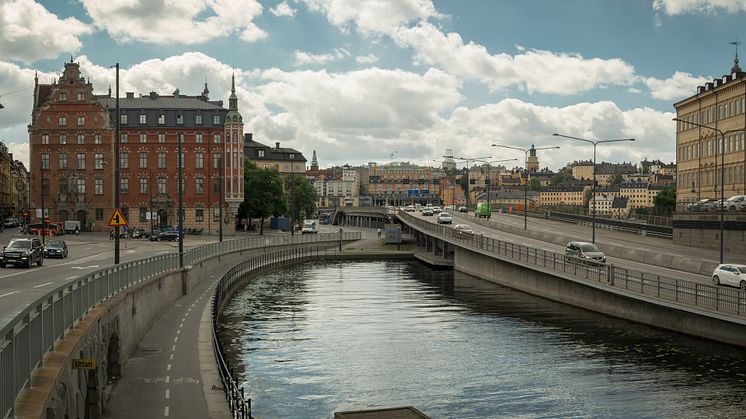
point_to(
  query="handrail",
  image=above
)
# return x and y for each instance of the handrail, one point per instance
(32, 331)
(709, 298)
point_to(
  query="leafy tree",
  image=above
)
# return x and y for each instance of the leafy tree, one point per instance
(616, 180)
(561, 176)
(534, 184)
(264, 195)
(665, 199)
(301, 198)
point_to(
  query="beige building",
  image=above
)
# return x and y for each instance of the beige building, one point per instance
(574, 195)
(332, 192)
(699, 150)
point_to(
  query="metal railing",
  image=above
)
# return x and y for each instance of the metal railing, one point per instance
(32, 331)
(726, 301)
(239, 404)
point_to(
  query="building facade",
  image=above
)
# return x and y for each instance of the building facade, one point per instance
(402, 183)
(705, 157)
(72, 149)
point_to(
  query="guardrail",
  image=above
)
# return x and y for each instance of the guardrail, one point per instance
(239, 404)
(621, 225)
(727, 301)
(33, 331)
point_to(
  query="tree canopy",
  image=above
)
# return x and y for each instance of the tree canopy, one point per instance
(264, 194)
(301, 198)
(666, 198)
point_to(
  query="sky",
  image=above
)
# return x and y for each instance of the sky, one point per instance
(363, 81)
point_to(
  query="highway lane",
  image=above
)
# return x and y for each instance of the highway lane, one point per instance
(19, 287)
(518, 239)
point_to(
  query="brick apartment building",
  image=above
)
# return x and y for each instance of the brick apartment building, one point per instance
(72, 155)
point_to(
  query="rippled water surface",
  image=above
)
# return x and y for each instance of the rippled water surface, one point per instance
(323, 337)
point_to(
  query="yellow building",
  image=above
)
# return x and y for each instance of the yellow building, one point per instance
(574, 195)
(700, 150)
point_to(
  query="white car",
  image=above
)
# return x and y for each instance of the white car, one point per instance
(736, 203)
(436, 210)
(445, 218)
(727, 274)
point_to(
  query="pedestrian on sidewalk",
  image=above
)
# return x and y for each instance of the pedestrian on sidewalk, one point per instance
(379, 233)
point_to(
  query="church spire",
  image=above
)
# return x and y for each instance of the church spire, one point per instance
(314, 162)
(206, 91)
(736, 68)
(233, 99)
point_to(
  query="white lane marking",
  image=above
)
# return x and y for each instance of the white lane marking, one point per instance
(173, 348)
(43, 285)
(168, 367)
(9, 293)
(171, 358)
(176, 339)
(168, 379)
(71, 277)
(168, 394)
(178, 331)
(165, 411)
(84, 267)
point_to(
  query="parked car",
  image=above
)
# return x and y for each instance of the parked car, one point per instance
(700, 205)
(24, 252)
(56, 248)
(727, 274)
(10, 222)
(736, 203)
(427, 211)
(164, 234)
(711, 205)
(585, 251)
(463, 229)
(462, 209)
(445, 218)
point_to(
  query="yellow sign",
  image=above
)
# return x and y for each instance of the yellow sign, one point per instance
(117, 219)
(84, 364)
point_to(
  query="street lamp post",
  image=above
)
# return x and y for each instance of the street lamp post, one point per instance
(525, 185)
(220, 190)
(467, 160)
(180, 138)
(116, 169)
(593, 186)
(43, 218)
(722, 175)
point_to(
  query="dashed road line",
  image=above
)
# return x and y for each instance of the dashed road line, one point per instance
(165, 411)
(168, 367)
(168, 394)
(9, 293)
(176, 339)
(43, 285)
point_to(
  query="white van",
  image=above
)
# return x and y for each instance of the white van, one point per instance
(310, 227)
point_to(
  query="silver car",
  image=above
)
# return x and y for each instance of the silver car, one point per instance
(445, 218)
(736, 203)
(727, 274)
(585, 251)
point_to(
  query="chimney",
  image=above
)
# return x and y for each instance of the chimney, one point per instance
(249, 136)
(277, 145)
(153, 95)
(131, 95)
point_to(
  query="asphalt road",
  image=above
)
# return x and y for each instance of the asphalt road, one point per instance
(572, 230)
(19, 287)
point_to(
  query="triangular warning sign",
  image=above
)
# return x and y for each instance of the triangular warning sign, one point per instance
(117, 219)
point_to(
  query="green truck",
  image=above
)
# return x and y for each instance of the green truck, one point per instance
(483, 210)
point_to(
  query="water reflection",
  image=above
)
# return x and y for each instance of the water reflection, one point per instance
(317, 338)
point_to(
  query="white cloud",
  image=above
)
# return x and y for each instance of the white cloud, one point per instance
(366, 59)
(283, 9)
(678, 86)
(373, 17)
(176, 21)
(677, 7)
(303, 58)
(534, 70)
(29, 32)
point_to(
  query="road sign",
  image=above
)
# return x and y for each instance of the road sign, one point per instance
(84, 363)
(117, 219)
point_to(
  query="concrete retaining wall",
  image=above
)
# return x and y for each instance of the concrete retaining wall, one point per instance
(601, 298)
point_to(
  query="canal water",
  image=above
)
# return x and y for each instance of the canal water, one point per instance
(317, 338)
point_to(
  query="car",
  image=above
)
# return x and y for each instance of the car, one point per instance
(585, 251)
(164, 234)
(445, 218)
(409, 208)
(700, 205)
(24, 252)
(711, 205)
(10, 222)
(436, 210)
(736, 203)
(463, 229)
(427, 211)
(310, 227)
(462, 209)
(56, 248)
(729, 274)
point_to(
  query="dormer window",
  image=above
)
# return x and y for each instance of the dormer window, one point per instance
(260, 153)
(62, 96)
(179, 119)
(143, 119)
(161, 119)
(81, 96)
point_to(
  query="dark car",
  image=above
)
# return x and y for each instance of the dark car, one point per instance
(24, 252)
(164, 234)
(56, 249)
